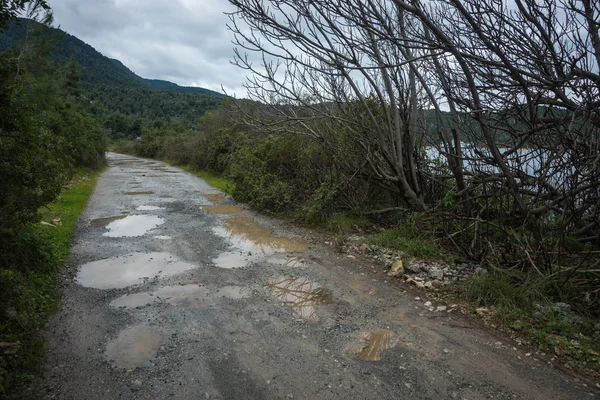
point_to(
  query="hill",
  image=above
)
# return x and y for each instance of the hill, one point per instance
(124, 101)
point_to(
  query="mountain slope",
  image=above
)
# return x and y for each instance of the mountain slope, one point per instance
(125, 102)
(97, 68)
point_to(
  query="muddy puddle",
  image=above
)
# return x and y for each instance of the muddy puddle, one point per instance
(250, 237)
(99, 222)
(132, 269)
(133, 347)
(215, 198)
(286, 261)
(137, 193)
(223, 209)
(234, 292)
(190, 296)
(132, 226)
(375, 343)
(149, 208)
(301, 295)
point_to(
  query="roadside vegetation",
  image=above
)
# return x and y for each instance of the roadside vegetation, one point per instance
(428, 130)
(49, 149)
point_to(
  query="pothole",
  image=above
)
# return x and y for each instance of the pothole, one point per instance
(286, 260)
(375, 343)
(99, 222)
(133, 225)
(120, 272)
(234, 292)
(301, 295)
(223, 209)
(215, 198)
(133, 347)
(248, 236)
(231, 260)
(189, 296)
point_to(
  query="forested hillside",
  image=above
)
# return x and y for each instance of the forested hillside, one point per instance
(124, 102)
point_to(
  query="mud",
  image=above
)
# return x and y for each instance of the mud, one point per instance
(215, 198)
(247, 235)
(376, 343)
(223, 209)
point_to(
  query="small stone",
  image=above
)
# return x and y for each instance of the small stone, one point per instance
(418, 284)
(436, 274)
(397, 269)
(427, 304)
(441, 308)
(481, 271)
(364, 248)
(428, 285)
(412, 267)
(482, 311)
(437, 283)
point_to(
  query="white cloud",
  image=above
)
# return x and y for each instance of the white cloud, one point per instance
(183, 41)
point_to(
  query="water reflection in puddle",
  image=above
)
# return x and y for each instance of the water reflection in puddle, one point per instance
(234, 292)
(149, 208)
(286, 261)
(136, 193)
(120, 272)
(185, 296)
(248, 236)
(376, 342)
(98, 222)
(133, 225)
(301, 295)
(215, 198)
(223, 209)
(231, 260)
(133, 347)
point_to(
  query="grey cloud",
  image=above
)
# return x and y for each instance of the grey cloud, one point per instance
(184, 41)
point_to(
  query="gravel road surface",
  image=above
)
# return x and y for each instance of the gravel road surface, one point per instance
(174, 291)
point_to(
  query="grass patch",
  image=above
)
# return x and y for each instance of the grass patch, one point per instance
(346, 223)
(219, 182)
(407, 240)
(532, 307)
(28, 295)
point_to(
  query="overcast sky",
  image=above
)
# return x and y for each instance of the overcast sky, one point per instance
(182, 41)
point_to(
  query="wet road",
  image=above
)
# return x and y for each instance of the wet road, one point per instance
(176, 292)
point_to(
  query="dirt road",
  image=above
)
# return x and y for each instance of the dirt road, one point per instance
(175, 292)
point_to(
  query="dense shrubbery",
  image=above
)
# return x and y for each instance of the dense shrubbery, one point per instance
(45, 135)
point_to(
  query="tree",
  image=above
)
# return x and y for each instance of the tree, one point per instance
(513, 92)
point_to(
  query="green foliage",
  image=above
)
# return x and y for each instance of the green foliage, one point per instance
(45, 135)
(407, 237)
(28, 295)
(221, 183)
(125, 103)
(341, 223)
